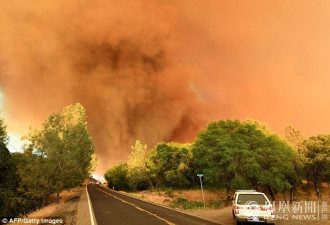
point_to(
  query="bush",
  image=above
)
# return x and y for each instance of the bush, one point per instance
(137, 179)
(193, 205)
(179, 202)
(171, 165)
(216, 204)
(169, 192)
(117, 177)
(185, 204)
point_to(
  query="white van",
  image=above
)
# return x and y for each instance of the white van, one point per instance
(252, 206)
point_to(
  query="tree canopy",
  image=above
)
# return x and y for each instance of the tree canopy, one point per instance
(232, 155)
(59, 155)
(9, 179)
(317, 152)
(240, 155)
(171, 165)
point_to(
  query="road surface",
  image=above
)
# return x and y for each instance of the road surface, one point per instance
(111, 207)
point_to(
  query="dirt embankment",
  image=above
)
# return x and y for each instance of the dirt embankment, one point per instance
(168, 197)
(66, 208)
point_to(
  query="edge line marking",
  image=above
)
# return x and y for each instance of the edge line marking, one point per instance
(160, 205)
(137, 207)
(91, 213)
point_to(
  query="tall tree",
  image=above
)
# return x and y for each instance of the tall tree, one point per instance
(116, 177)
(4, 154)
(62, 149)
(241, 155)
(94, 163)
(296, 140)
(317, 152)
(294, 137)
(9, 178)
(275, 158)
(171, 164)
(138, 173)
(5, 168)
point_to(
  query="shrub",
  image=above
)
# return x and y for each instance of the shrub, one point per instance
(216, 204)
(179, 202)
(169, 192)
(116, 177)
(185, 204)
(193, 205)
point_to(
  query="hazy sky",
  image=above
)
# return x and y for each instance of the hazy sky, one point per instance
(160, 70)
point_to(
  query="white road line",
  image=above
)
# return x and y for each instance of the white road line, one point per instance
(90, 208)
(160, 205)
(137, 207)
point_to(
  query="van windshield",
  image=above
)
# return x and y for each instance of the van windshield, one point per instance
(253, 198)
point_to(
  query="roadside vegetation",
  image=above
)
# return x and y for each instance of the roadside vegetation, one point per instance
(58, 156)
(232, 155)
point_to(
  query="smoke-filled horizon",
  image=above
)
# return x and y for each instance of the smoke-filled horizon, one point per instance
(160, 71)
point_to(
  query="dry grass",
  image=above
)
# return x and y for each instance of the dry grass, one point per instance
(66, 195)
(46, 211)
(66, 208)
(50, 209)
(196, 195)
(154, 196)
(307, 193)
(161, 197)
(304, 193)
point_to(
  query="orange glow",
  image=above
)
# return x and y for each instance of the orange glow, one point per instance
(160, 70)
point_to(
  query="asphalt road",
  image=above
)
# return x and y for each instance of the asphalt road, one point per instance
(111, 207)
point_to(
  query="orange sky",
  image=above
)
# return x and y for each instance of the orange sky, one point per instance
(160, 70)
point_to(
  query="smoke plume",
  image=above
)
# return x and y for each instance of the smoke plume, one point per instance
(159, 70)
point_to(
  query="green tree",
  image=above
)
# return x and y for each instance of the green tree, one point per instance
(296, 140)
(294, 137)
(275, 160)
(116, 177)
(5, 169)
(138, 173)
(59, 155)
(93, 164)
(317, 152)
(9, 178)
(37, 180)
(241, 155)
(171, 165)
(4, 155)
(264, 127)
